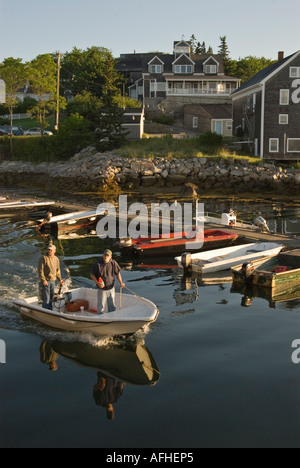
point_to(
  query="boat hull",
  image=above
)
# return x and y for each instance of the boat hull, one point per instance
(134, 314)
(266, 273)
(213, 239)
(225, 259)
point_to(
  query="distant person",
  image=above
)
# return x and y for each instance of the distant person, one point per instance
(103, 274)
(106, 393)
(49, 272)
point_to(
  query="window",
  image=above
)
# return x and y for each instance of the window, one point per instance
(293, 145)
(228, 125)
(283, 119)
(210, 69)
(284, 97)
(183, 69)
(155, 68)
(273, 145)
(195, 122)
(294, 72)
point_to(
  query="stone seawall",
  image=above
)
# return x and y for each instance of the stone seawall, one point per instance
(91, 171)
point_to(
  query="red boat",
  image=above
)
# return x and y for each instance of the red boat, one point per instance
(177, 243)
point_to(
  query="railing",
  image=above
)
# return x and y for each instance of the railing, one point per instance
(196, 91)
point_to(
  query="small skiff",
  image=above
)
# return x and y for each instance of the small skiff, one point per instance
(176, 243)
(69, 222)
(224, 259)
(280, 272)
(133, 313)
(23, 205)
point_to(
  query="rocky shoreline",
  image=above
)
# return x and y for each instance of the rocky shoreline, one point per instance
(89, 171)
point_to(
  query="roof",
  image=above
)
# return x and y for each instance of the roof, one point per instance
(214, 111)
(264, 74)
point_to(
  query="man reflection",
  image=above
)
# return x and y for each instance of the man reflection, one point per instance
(106, 392)
(48, 356)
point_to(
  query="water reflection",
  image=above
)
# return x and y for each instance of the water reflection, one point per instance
(249, 293)
(116, 364)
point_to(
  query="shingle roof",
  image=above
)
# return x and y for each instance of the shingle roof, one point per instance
(263, 74)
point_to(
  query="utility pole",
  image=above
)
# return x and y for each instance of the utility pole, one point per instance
(57, 91)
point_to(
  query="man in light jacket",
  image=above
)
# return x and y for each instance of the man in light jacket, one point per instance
(49, 272)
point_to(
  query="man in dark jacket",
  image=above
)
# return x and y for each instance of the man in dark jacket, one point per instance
(103, 274)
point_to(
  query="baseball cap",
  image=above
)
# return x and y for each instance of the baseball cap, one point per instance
(108, 252)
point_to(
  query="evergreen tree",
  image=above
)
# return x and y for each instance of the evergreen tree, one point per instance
(224, 51)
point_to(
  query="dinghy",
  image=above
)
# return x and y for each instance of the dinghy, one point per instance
(224, 259)
(176, 243)
(133, 313)
(280, 272)
(69, 222)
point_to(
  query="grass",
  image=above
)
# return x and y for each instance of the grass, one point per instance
(172, 148)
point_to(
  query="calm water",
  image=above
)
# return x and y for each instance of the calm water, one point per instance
(222, 373)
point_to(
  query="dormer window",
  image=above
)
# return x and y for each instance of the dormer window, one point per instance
(155, 68)
(184, 69)
(210, 69)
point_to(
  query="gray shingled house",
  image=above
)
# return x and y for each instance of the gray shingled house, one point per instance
(267, 109)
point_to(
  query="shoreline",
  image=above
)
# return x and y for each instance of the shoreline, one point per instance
(91, 173)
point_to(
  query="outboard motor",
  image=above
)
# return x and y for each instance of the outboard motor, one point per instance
(125, 242)
(247, 270)
(186, 261)
(261, 223)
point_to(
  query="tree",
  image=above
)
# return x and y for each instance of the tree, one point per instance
(247, 67)
(13, 72)
(42, 77)
(110, 133)
(224, 51)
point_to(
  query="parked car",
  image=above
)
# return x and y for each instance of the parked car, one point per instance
(3, 132)
(37, 131)
(17, 131)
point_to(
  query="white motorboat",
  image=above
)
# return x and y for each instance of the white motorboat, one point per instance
(224, 259)
(69, 222)
(133, 313)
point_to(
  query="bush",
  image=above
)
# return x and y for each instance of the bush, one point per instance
(211, 140)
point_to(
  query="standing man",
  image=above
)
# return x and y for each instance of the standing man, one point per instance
(103, 274)
(49, 272)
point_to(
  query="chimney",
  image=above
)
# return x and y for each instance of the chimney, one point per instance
(280, 56)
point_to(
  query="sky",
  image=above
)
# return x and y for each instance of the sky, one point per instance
(260, 27)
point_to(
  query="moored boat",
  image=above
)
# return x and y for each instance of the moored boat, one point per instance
(176, 243)
(67, 223)
(133, 313)
(23, 205)
(280, 272)
(226, 258)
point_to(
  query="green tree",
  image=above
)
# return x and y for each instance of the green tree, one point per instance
(249, 66)
(42, 77)
(224, 51)
(13, 72)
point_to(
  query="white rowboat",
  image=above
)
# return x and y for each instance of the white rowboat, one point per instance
(224, 259)
(133, 313)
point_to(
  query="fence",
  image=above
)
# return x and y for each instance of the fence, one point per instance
(16, 116)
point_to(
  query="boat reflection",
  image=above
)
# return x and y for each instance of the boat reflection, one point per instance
(115, 364)
(125, 361)
(249, 293)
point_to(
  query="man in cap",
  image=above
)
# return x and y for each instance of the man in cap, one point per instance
(103, 274)
(49, 272)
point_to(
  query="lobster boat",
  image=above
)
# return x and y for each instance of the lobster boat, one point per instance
(176, 243)
(76, 311)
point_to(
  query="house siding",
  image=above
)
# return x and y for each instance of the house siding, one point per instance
(272, 128)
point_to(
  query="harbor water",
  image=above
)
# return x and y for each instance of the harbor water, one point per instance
(217, 369)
